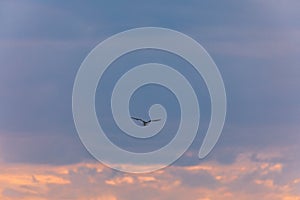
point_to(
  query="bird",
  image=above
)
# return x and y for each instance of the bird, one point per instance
(145, 123)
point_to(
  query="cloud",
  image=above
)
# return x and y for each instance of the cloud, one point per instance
(35, 148)
(255, 46)
(29, 19)
(42, 46)
(246, 179)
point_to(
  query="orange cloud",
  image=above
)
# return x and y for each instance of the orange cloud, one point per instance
(120, 180)
(245, 179)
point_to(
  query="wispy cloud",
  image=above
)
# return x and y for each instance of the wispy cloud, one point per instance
(244, 179)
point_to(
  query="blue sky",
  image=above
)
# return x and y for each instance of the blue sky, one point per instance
(255, 44)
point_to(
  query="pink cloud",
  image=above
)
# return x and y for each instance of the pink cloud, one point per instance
(244, 179)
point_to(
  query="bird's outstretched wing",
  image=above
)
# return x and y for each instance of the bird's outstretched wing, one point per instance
(138, 119)
(155, 120)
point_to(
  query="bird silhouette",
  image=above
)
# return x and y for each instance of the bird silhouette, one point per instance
(145, 123)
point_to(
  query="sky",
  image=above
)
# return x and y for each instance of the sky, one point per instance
(255, 45)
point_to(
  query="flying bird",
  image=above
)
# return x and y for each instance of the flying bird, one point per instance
(145, 123)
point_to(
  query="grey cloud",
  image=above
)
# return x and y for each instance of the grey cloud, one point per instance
(47, 42)
(200, 178)
(42, 149)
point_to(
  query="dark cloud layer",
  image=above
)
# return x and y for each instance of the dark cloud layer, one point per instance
(43, 44)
